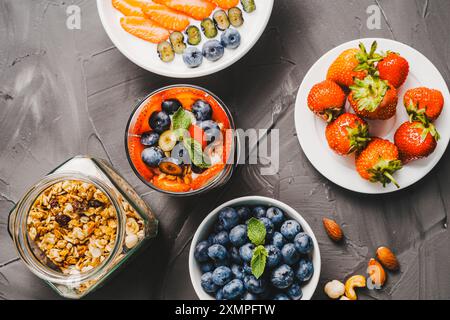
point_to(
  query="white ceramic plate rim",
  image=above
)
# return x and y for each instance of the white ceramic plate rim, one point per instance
(189, 73)
(194, 268)
(319, 158)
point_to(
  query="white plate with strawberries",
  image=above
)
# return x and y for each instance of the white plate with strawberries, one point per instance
(373, 121)
(184, 38)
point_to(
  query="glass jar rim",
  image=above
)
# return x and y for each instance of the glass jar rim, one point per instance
(213, 183)
(21, 238)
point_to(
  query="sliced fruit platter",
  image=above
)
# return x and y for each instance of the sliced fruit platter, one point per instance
(179, 140)
(376, 109)
(184, 38)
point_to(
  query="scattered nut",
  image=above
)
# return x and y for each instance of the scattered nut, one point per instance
(376, 273)
(388, 258)
(333, 230)
(353, 282)
(334, 289)
(131, 240)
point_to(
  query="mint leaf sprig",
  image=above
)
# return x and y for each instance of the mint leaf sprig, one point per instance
(256, 232)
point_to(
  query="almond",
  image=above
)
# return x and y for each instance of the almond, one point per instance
(376, 273)
(387, 258)
(333, 230)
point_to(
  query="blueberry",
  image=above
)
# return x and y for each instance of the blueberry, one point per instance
(219, 295)
(269, 226)
(290, 229)
(275, 215)
(259, 212)
(211, 131)
(246, 252)
(207, 283)
(290, 254)
(233, 289)
(202, 110)
(281, 296)
(228, 218)
(207, 267)
(235, 256)
(152, 156)
(218, 227)
(231, 39)
(159, 121)
(274, 256)
(222, 275)
(221, 238)
(211, 238)
(295, 291)
(247, 269)
(149, 138)
(201, 251)
(278, 240)
(238, 235)
(192, 57)
(238, 271)
(217, 252)
(254, 285)
(213, 50)
(305, 270)
(171, 106)
(282, 277)
(303, 243)
(249, 296)
(244, 213)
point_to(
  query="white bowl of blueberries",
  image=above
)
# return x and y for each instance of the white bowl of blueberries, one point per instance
(254, 248)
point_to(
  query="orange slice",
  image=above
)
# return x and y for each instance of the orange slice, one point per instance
(128, 8)
(165, 16)
(197, 9)
(144, 28)
(226, 4)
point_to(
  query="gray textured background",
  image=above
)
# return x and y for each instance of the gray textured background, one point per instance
(66, 92)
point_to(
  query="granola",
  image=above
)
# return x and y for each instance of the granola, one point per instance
(75, 225)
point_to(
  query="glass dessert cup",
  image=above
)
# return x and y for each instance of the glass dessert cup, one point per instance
(168, 105)
(59, 227)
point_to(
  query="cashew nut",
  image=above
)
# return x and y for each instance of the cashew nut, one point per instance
(334, 289)
(357, 281)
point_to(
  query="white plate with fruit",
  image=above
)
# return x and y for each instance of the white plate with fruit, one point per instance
(184, 38)
(373, 121)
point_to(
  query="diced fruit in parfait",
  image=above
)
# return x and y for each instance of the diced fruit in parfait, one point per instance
(144, 28)
(180, 136)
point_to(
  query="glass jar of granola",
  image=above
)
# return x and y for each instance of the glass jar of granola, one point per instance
(79, 224)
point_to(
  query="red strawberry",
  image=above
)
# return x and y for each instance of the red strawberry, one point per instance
(347, 134)
(353, 64)
(378, 161)
(394, 68)
(424, 104)
(327, 100)
(415, 141)
(373, 98)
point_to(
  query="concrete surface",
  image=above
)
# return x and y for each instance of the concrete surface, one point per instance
(66, 92)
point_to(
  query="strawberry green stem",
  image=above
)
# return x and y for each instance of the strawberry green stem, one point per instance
(390, 177)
